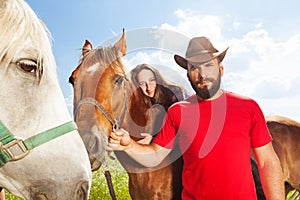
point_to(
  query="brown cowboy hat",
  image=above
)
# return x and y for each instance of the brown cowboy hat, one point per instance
(200, 50)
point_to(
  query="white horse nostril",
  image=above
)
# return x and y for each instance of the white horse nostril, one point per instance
(41, 197)
(82, 192)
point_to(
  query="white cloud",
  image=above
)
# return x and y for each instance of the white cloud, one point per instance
(138, 58)
(236, 24)
(259, 25)
(271, 64)
(193, 25)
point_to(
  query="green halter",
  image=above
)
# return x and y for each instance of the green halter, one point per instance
(12, 148)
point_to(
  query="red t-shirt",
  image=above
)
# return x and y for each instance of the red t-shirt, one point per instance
(215, 138)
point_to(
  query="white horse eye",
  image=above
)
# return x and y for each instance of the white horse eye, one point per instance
(29, 66)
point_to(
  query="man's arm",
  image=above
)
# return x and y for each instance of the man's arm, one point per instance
(2, 194)
(149, 155)
(270, 172)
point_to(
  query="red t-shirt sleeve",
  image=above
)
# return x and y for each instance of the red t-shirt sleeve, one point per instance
(260, 134)
(166, 136)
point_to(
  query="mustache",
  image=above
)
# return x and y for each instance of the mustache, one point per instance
(201, 80)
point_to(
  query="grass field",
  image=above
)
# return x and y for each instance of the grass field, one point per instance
(99, 189)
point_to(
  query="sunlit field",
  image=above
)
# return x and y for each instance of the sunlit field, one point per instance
(99, 189)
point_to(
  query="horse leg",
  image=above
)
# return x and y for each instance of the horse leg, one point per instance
(152, 185)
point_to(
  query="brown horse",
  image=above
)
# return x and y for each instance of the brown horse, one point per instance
(104, 99)
(286, 137)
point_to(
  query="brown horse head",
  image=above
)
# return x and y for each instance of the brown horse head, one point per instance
(99, 83)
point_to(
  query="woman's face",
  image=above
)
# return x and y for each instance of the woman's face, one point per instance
(147, 82)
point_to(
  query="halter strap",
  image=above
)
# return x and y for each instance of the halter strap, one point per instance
(99, 106)
(114, 121)
(13, 148)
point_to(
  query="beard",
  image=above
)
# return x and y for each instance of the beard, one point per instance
(203, 92)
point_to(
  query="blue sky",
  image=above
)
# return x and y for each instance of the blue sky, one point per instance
(264, 39)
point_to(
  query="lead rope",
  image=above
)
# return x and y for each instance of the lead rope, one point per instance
(110, 185)
(109, 179)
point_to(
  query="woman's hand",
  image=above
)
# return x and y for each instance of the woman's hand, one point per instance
(146, 140)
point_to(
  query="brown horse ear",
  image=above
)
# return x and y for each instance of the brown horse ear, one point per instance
(86, 47)
(121, 44)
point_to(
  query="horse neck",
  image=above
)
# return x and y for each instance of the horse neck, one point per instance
(136, 118)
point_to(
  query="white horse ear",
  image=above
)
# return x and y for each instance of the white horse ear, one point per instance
(86, 47)
(121, 44)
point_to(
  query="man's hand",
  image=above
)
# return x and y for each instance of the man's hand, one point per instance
(119, 140)
(148, 155)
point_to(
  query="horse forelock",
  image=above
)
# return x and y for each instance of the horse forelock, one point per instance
(18, 24)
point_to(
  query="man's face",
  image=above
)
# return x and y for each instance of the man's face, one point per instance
(205, 78)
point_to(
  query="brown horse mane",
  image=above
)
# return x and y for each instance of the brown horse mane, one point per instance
(106, 56)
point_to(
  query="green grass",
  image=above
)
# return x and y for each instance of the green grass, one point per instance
(120, 182)
(99, 188)
(290, 195)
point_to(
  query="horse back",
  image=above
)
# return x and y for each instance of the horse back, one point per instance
(286, 143)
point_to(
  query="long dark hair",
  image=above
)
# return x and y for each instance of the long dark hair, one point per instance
(165, 93)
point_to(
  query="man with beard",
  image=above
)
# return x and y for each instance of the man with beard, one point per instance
(216, 131)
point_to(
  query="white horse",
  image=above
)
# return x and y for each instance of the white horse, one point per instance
(31, 103)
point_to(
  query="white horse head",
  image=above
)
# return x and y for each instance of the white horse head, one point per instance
(31, 102)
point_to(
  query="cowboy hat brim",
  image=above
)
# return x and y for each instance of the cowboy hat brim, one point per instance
(200, 58)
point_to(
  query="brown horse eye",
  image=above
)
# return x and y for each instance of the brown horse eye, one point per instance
(119, 80)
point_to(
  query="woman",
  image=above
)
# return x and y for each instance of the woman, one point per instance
(156, 90)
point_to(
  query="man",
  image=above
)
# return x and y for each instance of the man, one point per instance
(216, 131)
